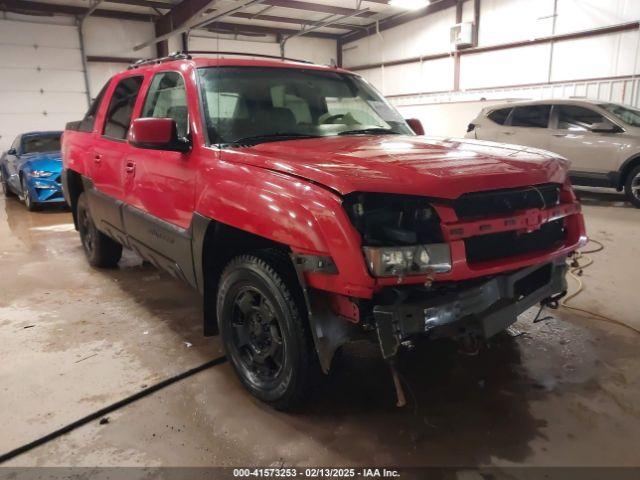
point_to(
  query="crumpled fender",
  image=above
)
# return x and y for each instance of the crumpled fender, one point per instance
(306, 217)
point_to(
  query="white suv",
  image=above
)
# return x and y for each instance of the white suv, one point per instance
(600, 139)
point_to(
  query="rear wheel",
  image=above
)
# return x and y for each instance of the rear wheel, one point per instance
(632, 187)
(26, 196)
(100, 250)
(264, 330)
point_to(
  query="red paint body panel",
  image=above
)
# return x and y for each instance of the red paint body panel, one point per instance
(290, 192)
(433, 167)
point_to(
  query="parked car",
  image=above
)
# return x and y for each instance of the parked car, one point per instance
(31, 169)
(298, 201)
(600, 139)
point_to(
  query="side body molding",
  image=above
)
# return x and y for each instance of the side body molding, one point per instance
(164, 245)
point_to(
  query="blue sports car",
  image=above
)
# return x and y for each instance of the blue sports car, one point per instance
(31, 169)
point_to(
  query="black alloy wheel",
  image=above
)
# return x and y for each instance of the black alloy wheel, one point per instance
(100, 250)
(87, 231)
(265, 330)
(257, 336)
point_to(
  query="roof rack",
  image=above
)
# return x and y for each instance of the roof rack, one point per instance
(243, 54)
(186, 55)
(168, 58)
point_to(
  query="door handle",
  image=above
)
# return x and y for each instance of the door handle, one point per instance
(508, 133)
(559, 135)
(97, 158)
(130, 167)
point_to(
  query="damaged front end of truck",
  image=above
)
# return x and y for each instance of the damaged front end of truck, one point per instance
(463, 269)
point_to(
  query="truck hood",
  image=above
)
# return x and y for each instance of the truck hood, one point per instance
(428, 166)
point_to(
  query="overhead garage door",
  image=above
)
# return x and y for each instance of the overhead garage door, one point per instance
(41, 80)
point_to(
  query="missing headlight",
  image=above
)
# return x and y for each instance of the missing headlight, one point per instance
(388, 219)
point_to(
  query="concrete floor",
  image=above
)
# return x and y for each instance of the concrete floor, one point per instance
(74, 339)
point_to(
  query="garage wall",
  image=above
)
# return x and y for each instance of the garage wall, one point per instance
(115, 38)
(41, 75)
(41, 81)
(317, 50)
(572, 67)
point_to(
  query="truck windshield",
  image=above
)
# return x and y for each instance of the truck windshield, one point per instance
(628, 115)
(247, 105)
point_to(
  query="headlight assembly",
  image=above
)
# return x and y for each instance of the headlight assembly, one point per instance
(401, 234)
(40, 173)
(410, 260)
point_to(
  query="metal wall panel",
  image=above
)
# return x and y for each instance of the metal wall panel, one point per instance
(41, 80)
(32, 80)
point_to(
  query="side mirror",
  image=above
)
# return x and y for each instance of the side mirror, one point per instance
(157, 134)
(605, 127)
(12, 151)
(416, 126)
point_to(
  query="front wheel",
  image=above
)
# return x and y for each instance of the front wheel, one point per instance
(26, 196)
(264, 330)
(632, 187)
(100, 250)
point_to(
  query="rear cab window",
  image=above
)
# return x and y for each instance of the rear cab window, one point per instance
(531, 116)
(89, 120)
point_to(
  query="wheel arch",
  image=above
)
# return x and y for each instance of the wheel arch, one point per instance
(626, 168)
(72, 187)
(210, 237)
(214, 244)
(21, 177)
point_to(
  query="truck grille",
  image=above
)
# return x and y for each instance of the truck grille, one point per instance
(501, 202)
(509, 244)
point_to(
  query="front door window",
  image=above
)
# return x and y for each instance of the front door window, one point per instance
(167, 98)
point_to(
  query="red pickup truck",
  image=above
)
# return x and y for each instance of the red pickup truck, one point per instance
(307, 212)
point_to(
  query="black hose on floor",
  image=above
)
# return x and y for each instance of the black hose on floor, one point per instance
(111, 408)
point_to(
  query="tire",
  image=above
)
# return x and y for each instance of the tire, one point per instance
(632, 187)
(100, 250)
(265, 331)
(6, 190)
(26, 196)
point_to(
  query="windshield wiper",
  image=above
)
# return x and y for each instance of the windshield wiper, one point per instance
(370, 131)
(271, 137)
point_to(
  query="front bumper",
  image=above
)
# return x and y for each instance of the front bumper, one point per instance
(46, 189)
(482, 310)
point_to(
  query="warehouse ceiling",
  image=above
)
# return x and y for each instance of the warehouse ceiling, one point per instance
(331, 18)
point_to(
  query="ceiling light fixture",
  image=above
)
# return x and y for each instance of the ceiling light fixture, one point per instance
(409, 4)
